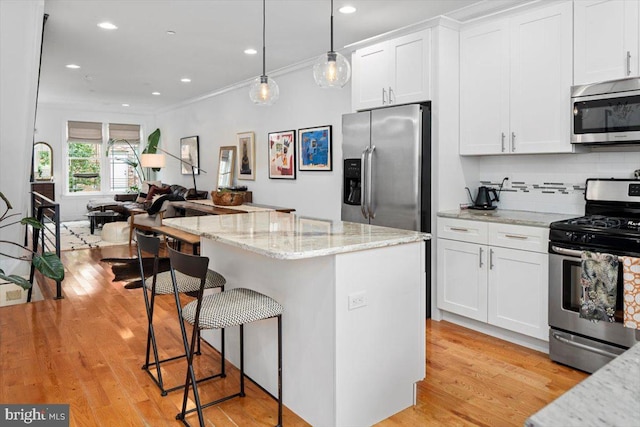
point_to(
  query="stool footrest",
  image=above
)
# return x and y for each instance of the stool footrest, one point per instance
(206, 405)
(181, 386)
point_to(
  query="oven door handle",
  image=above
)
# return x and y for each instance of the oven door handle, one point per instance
(583, 346)
(572, 252)
(568, 252)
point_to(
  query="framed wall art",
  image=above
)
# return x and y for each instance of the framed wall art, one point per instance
(189, 153)
(247, 156)
(282, 154)
(314, 149)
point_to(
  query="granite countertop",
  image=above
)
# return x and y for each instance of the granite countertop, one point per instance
(289, 236)
(534, 219)
(609, 397)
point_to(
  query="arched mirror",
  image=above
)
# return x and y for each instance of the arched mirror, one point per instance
(42, 161)
(226, 166)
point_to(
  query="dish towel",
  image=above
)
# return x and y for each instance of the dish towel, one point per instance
(599, 279)
(631, 278)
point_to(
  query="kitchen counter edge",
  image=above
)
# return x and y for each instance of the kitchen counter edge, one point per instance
(527, 218)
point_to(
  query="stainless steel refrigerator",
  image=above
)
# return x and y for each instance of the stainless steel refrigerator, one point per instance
(387, 169)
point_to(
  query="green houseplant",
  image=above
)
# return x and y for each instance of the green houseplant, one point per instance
(47, 263)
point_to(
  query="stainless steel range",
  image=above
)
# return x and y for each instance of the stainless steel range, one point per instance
(611, 225)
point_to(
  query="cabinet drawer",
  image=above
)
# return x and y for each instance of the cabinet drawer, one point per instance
(460, 229)
(533, 239)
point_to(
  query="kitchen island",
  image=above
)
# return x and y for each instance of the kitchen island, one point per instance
(609, 397)
(354, 310)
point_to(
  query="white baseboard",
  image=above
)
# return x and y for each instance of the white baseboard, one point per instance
(494, 331)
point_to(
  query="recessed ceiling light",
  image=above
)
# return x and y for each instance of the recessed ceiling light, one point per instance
(347, 9)
(125, 105)
(73, 66)
(107, 26)
(250, 51)
(171, 33)
(155, 93)
(185, 80)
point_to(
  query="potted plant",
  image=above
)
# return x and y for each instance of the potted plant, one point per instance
(47, 263)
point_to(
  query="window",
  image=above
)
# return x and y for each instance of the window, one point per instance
(123, 158)
(95, 165)
(85, 143)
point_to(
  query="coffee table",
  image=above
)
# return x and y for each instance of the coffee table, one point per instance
(98, 218)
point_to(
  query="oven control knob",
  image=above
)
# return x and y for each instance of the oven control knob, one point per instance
(584, 238)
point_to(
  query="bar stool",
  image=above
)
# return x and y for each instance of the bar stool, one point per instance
(163, 284)
(235, 307)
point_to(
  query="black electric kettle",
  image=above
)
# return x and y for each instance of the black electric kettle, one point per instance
(485, 198)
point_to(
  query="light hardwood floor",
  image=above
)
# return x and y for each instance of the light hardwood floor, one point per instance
(87, 350)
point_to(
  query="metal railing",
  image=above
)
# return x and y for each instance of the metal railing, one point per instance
(47, 239)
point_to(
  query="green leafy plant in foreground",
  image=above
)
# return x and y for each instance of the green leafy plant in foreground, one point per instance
(48, 263)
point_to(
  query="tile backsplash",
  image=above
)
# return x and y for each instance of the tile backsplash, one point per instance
(552, 183)
(558, 197)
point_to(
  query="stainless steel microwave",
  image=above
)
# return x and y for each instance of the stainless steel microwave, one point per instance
(606, 113)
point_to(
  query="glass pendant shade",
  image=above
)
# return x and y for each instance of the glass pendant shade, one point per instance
(331, 70)
(264, 91)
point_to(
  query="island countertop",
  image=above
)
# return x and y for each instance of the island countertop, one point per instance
(289, 236)
(609, 397)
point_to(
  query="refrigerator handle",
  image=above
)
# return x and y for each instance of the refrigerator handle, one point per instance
(363, 183)
(370, 173)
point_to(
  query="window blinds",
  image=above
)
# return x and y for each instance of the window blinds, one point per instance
(84, 132)
(129, 132)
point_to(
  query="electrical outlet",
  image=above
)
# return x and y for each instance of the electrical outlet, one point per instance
(14, 295)
(357, 300)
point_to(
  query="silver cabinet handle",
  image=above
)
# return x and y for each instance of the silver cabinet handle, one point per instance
(363, 183)
(490, 259)
(480, 258)
(370, 201)
(391, 101)
(583, 346)
(384, 96)
(464, 230)
(628, 63)
(516, 236)
(513, 141)
(502, 141)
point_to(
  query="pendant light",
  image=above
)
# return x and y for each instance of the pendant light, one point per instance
(264, 91)
(331, 69)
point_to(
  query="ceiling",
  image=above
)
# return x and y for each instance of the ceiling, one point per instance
(128, 64)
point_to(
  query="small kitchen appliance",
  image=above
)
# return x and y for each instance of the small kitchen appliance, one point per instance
(484, 199)
(611, 224)
(606, 113)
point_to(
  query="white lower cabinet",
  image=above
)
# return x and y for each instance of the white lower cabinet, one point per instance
(506, 285)
(464, 274)
(518, 291)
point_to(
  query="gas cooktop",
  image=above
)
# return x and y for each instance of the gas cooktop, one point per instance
(600, 222)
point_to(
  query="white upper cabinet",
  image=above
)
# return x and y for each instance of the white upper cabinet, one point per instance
(515, 81)
(393, 72)
(484, 89)
(605, 40)
(541, 64)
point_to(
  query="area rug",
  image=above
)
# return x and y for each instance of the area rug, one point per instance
(76, 235)
(128, 269)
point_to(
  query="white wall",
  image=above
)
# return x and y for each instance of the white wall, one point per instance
(218, 119)
(51, 125)
(20, 39)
